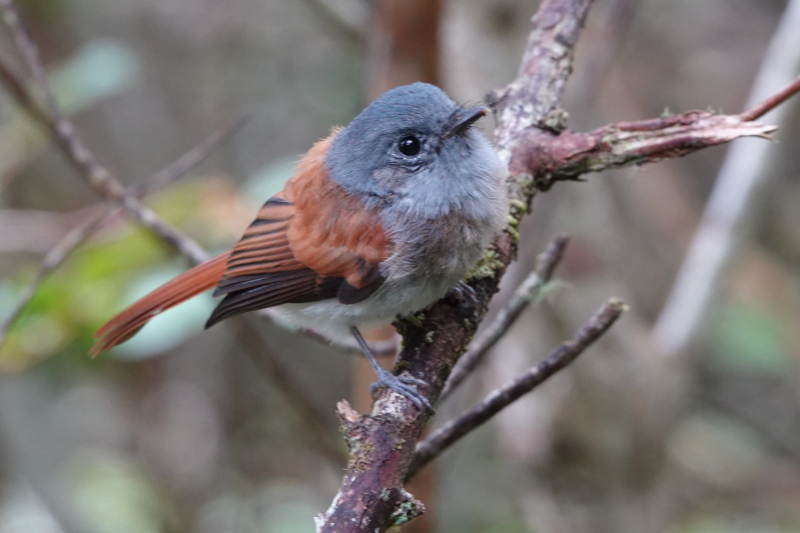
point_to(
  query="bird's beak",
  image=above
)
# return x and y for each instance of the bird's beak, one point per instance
(462, 120)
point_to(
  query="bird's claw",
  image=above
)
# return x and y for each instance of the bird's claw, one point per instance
(404, 385)
(465, 295)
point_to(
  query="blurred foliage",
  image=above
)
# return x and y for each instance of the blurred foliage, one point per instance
(718, 450)
(115, 495)
(751, 339)
(110, 272)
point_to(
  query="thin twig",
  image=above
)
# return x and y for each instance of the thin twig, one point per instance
(189, 160)
(773, 101)
(18, 92)
(498, 400)
(30, 52)
(527, 292)
(731, 201)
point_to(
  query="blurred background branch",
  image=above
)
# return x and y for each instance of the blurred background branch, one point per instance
(65, 135)
(732, 200)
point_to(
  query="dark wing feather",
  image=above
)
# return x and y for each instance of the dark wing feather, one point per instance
(297, 286)
(348, 294)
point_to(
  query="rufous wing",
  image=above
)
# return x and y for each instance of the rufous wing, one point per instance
(311, 242)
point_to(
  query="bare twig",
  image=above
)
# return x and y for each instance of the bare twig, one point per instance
(498, 400)
(527, 292)
(531, 103)
(17, 90)
(745, 165)
(634, 143)
(30, 52)
(772, 102)
(189, 160)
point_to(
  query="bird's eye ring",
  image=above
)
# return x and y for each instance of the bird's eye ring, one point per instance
(409, 145)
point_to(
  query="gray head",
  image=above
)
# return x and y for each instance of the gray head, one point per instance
(416, 146)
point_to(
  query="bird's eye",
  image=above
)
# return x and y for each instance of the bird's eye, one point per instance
(409, 145)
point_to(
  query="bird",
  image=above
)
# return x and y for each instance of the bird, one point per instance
(380, 219)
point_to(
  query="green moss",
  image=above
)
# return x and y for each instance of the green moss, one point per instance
(406, 511)
(513, 228)
(556, 119)
(415, 319)
(487, 266)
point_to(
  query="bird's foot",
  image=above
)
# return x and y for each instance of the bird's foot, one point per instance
(466, 296)
(403, 385)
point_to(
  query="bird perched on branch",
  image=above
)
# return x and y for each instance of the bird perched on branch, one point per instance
(380, 219)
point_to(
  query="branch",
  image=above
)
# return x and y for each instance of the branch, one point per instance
(532, 139)
(498, 400)
(531, 101)
(570, 154)
(30, 53)
(527, 292)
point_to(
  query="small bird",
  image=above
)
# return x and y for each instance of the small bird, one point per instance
(380, 219)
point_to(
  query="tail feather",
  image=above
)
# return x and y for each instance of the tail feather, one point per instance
(191, 283)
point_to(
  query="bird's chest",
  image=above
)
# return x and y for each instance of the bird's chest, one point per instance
(438, 250)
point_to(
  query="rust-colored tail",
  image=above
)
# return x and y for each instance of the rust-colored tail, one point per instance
(191, 283)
